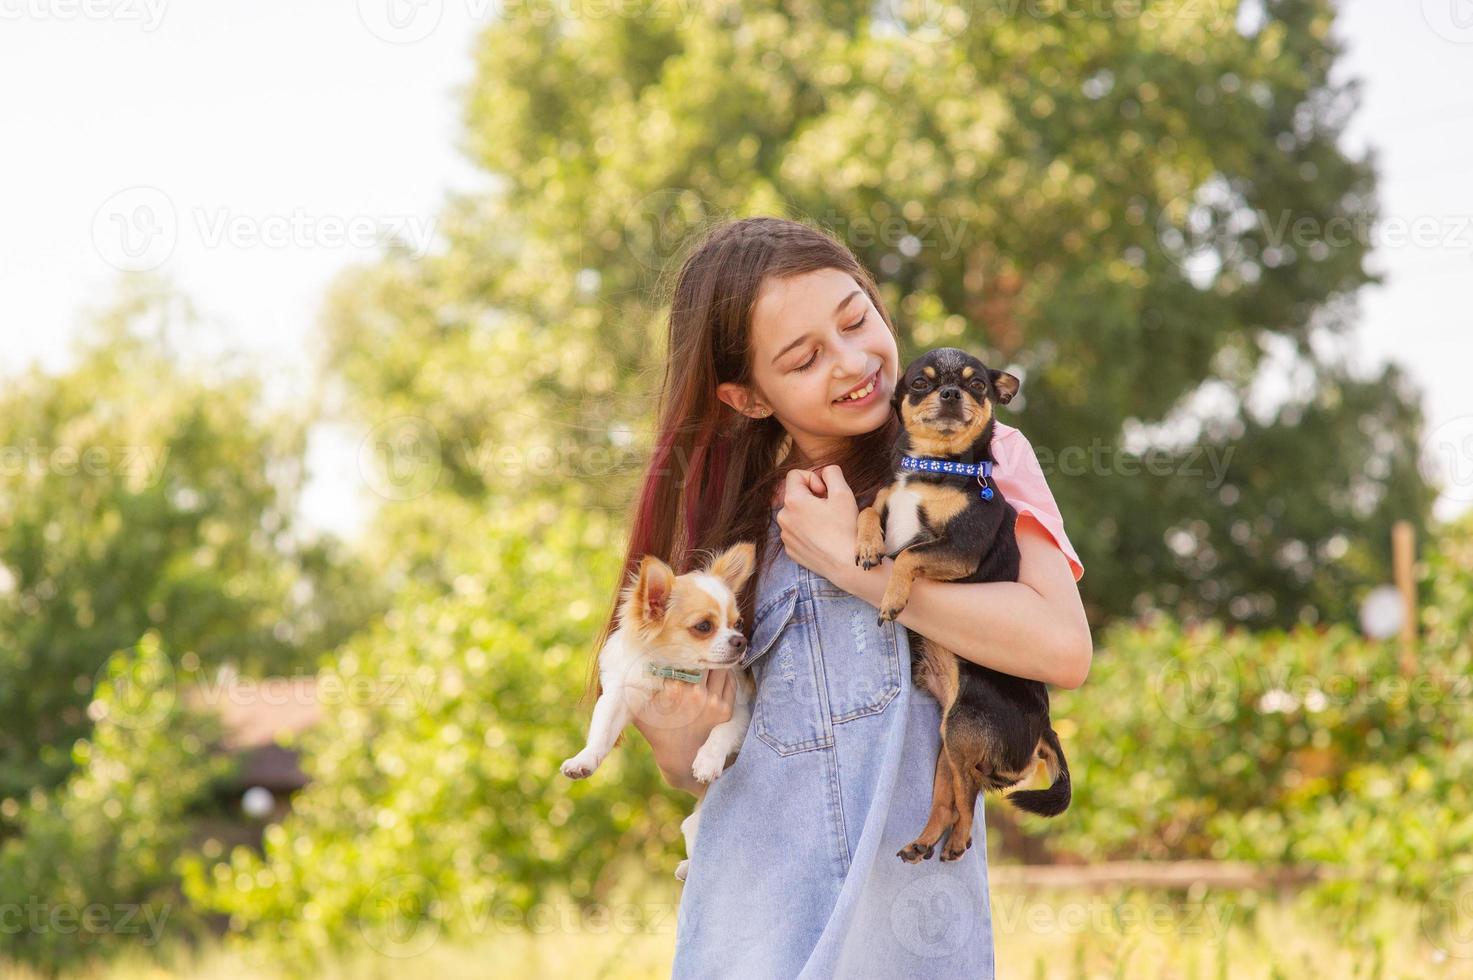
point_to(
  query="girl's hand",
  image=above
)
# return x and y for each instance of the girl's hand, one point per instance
(677, 721)
(819, 521)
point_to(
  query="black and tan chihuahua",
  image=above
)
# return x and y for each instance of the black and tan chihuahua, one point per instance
(942, 518)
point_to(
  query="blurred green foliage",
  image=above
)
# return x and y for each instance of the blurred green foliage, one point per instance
(439, 795)
(1299, 747)
(138, 492)
(90, 874)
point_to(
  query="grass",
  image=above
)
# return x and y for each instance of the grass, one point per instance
(1038, 934)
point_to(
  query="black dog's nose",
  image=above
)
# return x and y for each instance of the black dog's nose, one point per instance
(950, 393)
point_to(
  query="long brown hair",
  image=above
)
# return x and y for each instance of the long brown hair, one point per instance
(714, 470)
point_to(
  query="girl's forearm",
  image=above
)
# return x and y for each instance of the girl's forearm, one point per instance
(1007, 626)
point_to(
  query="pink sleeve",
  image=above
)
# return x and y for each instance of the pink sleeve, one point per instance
(1021, 479)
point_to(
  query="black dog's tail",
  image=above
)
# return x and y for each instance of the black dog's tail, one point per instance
(1055, 800)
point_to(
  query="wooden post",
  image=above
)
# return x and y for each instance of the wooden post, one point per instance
(1402, 555)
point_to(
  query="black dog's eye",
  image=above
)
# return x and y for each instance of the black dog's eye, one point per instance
(918, 384)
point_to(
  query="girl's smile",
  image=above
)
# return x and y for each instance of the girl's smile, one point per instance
(862, 394)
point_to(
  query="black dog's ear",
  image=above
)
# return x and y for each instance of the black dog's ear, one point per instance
(1006, 385)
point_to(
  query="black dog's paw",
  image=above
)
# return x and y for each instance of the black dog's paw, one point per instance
(915, 852)
(955, 849)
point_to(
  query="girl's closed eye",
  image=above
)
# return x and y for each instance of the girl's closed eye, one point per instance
(814, 359)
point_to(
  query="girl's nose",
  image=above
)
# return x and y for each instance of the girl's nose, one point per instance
(852, 362)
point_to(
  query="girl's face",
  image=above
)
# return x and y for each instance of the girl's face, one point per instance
(816, 337)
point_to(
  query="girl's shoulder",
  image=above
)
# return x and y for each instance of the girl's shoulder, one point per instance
(1026, 486)
(1003, 432)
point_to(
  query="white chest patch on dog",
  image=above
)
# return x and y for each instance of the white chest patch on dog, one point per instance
(902, 516)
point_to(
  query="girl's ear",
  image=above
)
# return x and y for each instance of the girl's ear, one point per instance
(739, 398)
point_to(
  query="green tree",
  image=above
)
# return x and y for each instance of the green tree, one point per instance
(1138, 206)
(138, 492)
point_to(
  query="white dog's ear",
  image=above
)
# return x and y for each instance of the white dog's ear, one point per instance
(650, 598)
(734, 565)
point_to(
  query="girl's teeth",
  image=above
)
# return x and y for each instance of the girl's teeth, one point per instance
(860, 393)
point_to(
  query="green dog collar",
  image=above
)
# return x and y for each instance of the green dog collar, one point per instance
(676, 673)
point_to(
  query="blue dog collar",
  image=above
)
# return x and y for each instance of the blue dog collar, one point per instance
(929, 464)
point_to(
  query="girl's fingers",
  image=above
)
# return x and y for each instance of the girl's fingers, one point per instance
(795, 483)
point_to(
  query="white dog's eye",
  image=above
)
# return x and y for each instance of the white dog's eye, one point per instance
(704, 626)
(738, 624)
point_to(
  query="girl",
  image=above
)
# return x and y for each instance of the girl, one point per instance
(795, 874)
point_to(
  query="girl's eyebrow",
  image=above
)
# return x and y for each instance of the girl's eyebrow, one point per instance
(837, 310)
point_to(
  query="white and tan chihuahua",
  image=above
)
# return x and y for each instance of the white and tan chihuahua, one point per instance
(673, 628)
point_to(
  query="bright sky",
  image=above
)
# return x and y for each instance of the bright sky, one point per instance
(250, 149)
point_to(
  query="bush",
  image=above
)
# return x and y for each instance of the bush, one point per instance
(438, 797)
(90, 873)
(1282, 748)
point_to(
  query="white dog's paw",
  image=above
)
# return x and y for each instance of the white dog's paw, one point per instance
(580, 766)
(708, 765)
(682, 869)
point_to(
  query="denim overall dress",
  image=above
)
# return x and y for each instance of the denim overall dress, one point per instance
(795, 872)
